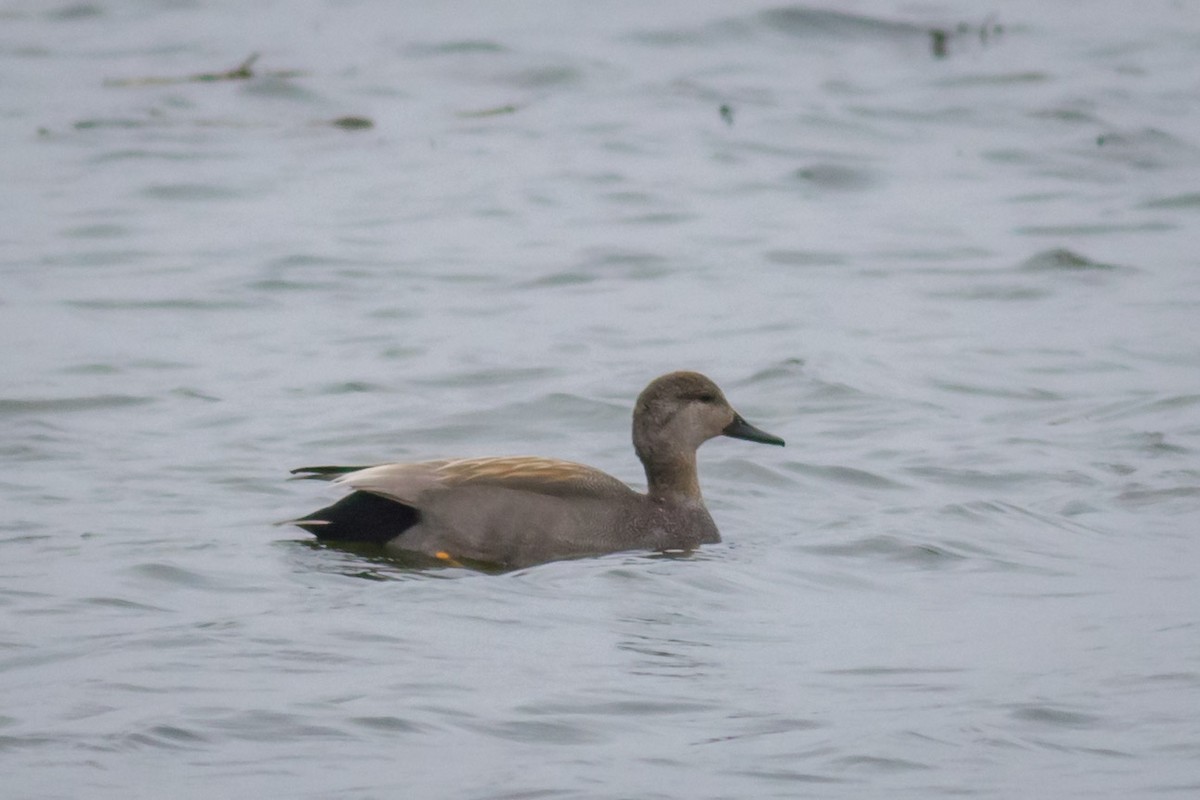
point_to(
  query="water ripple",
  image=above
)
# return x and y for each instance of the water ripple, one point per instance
(55, 405)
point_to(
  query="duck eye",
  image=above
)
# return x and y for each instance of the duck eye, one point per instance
(707, 397)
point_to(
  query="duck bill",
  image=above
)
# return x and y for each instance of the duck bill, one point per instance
(740, 429)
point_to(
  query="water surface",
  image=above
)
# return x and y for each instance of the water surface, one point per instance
(959, 278)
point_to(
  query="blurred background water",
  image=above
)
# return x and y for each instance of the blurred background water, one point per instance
(947, 250)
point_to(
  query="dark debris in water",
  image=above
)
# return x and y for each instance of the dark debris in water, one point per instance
(802, 21)
(243, 71)
(986, 31)
(157, 119)
(495, 111)
(352, 123)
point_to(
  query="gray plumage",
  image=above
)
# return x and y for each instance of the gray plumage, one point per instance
(522, 510)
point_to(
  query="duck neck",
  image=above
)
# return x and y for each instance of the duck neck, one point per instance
(673, 477)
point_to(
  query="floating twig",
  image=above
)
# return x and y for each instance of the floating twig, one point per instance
(241, 72)
(488, 112)
(352, 123)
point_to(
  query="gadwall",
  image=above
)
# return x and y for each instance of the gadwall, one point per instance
(524, 510)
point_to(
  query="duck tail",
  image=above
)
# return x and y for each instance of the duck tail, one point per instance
(321, 473)
(360, 517)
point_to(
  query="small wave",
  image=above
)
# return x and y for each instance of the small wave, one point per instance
(1060, 259)
(1055, 717)
(54, 405)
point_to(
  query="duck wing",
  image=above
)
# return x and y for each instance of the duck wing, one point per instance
(407, 482)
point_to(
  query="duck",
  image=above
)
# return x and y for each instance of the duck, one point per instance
(512, 512)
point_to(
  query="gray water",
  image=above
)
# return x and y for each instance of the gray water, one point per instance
(964, 287)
